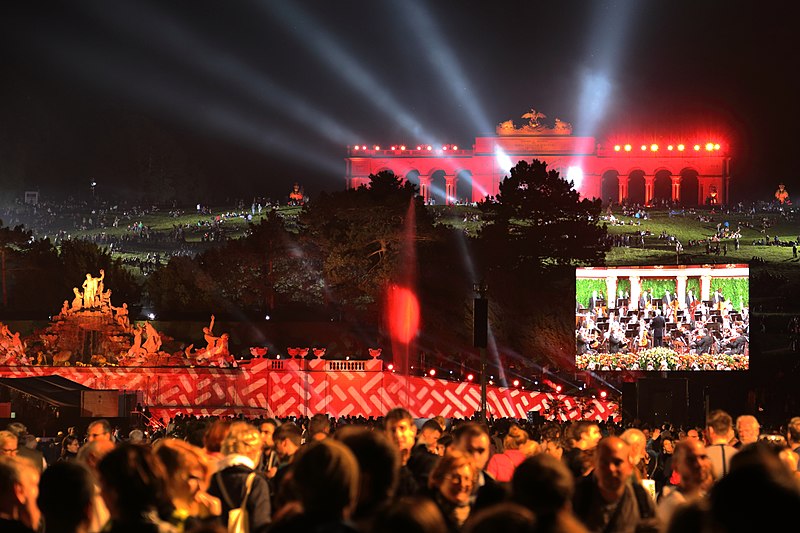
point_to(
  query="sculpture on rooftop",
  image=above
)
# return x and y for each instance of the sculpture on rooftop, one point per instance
(535, 126)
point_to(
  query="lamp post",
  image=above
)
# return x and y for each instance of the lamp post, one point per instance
(480, 334)
(92, 185)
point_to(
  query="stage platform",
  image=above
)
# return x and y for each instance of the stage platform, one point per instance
(297, 387)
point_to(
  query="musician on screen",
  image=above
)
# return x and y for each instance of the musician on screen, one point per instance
(717, 297)
(657, 325)
(690, 298)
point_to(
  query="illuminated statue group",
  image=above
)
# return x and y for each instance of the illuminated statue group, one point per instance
(90, 331)
(782, 195)
(535, 126)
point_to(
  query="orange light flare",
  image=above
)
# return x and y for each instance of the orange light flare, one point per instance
(403, 314)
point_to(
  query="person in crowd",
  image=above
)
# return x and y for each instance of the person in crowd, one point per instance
(506, 517)
(758, 494)
(326, 475)
(236, 477)
(99, 430)
(26, 445)
(719, 431)
(19, 489)
(586, 434)
(379, 467)
(793, 436)
(544, 485)
(747, 430)
(9, 443)
(288, 440)
(66, 493)
(187, 479)
(607, 499)
(133, 486)
(410, 515)
(501, 465)
(472, 438)
(319, 427)
(268, 462)
(451, 486)
(136, 436)
(69, 448)
(696, 478)
(90, 455)
(665, 463)
(213, 438)
(637, 441)
(401, 431)
(424, 455)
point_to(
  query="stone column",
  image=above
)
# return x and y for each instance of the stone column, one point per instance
(649, 182)
(623, 187)
(636, 291)
(611, 291)
(676, 188)
(425, 188)
(681, 282)
(705, 287)
(449, 190)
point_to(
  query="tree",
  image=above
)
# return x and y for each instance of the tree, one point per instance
(358, 236)
(538, 220)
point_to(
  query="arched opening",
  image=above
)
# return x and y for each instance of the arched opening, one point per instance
(690, 186)
(464, 187)
(609, 187)
(413, 177)
(662, 188)
(438, 188)
(636, 187)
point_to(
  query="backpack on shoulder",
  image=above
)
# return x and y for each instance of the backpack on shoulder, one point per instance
(238, 519)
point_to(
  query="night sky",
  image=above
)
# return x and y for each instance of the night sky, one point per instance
(253, 96)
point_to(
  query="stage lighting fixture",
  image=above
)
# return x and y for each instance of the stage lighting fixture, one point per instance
(603, 394)
(696, 147)
(681, 148)
(654, 148)
(716, 147)
(456, 147)
(364, 147)
(394, 148)
(617, 148)
(430, 147)
(709, 146)
(644, 147)
(516, 383)
(575, 175)
(357, 147)
(377, 147)
(558, 388)
(669, 147)
(444, 147)
(432, 372)
(390, 367)
(419, 147)
(470, 377)
(403, 147)
(628, 147)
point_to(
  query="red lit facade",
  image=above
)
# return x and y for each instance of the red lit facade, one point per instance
(647, 172)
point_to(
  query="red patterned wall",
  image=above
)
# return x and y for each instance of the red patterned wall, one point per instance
(295, 387)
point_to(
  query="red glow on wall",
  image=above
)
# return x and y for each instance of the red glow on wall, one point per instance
(403, 314)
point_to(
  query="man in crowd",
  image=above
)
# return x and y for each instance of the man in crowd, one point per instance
(319, 427)
(401, 431)
(719, 431)
(793, 436)
(747, 430)
(26, 445)
(99, 430)
(587, 435)
(473, 439)
(696, 477)
(607, 499)
(19, 488)
(424, 455)
(268, 463)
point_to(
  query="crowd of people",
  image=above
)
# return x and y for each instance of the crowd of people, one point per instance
(398, 474)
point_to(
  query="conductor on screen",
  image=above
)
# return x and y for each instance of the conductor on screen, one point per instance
(657, 325)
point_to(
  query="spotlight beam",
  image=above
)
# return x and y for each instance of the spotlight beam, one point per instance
(444, 62)
(167, 35)
(313, 36)
(181, 101)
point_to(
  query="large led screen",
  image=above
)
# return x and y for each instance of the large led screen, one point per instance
(662, 318)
